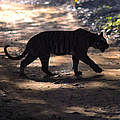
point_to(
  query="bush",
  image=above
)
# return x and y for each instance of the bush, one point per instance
(112, 25)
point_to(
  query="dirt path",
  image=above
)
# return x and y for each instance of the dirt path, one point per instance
(91, 97)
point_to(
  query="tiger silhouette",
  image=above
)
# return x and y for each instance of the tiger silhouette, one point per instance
(75, 43)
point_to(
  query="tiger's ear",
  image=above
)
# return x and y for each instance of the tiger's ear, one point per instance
(101, 34)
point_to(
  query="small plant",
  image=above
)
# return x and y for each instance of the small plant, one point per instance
(112, 25)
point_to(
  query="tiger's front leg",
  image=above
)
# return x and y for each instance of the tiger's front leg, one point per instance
(91, 63)
(75, 66)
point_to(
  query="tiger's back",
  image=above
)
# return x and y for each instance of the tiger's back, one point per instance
(58, 42)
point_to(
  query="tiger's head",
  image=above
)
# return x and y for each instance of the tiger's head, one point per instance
(100, 43)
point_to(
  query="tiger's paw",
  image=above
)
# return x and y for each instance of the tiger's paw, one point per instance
(22, 75)
(78, 73)
(53, 75)
(98, 70)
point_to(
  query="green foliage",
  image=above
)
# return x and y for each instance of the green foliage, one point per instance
(112, 24)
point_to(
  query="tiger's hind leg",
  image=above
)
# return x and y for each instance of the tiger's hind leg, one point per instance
(75, 66)
(29, 59)
(45, 62)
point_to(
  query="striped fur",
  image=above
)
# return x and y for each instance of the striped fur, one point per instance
(75, 43)
(60, 44)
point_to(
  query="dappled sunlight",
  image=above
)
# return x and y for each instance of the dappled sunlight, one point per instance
(82, 110)
(14, 12)
(11, 12)
(54, 61)
(23, 42)
(97, 58)
(58, 60)
(95, 84)
(28, 101)
(37, 85)
(101, 84)
(2, 51)
(112, 73)
(42, 86)
(112, 55)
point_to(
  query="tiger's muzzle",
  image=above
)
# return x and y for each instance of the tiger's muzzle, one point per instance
(102, 49)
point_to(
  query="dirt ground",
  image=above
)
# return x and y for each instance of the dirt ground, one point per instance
(65, 97)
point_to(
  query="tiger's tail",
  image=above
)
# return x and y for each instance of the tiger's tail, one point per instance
(15, 58)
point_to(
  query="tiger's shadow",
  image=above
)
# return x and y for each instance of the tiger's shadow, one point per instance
(66, 79)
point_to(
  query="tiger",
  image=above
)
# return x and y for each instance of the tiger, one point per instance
(75, 43)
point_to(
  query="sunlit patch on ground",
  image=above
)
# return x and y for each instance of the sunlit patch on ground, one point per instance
(58, 60)
(112, 55)
(88, 112)
(1, 51)
(95, 84)
(14, 12)
(32, 101)
(40, 85)
(112, 73)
